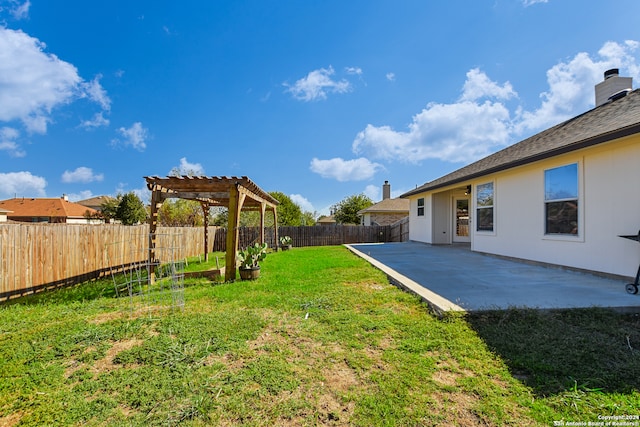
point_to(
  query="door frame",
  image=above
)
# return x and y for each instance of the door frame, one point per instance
(455, 238)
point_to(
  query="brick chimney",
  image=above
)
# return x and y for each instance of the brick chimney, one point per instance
(386, 191)
(613, 87)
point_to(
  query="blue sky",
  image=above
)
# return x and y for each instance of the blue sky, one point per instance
(317, 99)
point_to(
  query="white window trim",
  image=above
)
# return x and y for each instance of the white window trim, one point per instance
(475, 208)
(418, 207)
(578, 238)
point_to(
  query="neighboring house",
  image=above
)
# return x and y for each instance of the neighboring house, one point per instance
(95, 202)
(326, 220)
(58, 210)
(3, 215)
(387, 211)
(563, 196)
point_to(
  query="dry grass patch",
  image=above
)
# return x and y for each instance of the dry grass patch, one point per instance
(106, 363)
(11, 420)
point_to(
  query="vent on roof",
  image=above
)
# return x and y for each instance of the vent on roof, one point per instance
(620, 94)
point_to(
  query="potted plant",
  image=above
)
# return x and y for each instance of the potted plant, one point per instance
(285, 243)
(249, 260)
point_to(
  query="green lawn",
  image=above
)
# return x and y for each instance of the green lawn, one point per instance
(321, 338)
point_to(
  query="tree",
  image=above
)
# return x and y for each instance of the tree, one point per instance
(309, 218)
(131, 210)
(346, 211)
(109, 208)
(181, 213)
(289, 213)
(247, 219)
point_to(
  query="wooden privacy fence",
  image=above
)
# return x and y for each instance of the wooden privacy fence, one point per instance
(40, 256)
(34, 257)
(313, 235)
(400, 230)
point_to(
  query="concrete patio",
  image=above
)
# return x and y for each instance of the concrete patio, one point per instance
(452, 277)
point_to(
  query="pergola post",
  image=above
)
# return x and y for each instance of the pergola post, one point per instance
(156, 202)
(275, 227)
(262, 210)
(205, 215)
(236, 200)
(232, 240)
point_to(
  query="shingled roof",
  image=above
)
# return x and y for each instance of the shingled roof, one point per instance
(388, 206)
(53, 208)
(613, 120)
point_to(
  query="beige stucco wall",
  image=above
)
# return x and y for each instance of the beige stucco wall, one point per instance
(421, 227)
(609, 200)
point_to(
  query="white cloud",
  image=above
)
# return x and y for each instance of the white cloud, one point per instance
(95, 92)
(85, 194)
(353, 70)
(345, 170)
(459, 132)
(373, 192)
(98, 120)
(391, 77)
(8, 137)
(34, 82)
(528, 3)
(316, 85)
(478, 86)
(81, 174)
(22, 184)
(571, 85)
(16, 8)
(302, 201)
(134, 136)
(143, 192)
(480, 122)
(186, 168)
(21, 11)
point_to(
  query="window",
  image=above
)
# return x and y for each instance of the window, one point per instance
(421, 207)
(484, 207)
(561, 200)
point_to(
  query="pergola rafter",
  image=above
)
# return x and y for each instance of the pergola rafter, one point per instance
(234, 193)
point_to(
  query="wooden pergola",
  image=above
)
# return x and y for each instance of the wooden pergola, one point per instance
(234, 193)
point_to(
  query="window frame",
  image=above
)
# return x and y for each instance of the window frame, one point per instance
(420, 206)
(478, 207)
(579, 235)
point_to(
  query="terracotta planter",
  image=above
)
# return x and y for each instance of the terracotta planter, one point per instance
(251, 273)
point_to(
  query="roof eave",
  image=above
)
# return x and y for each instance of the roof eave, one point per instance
(579, 145)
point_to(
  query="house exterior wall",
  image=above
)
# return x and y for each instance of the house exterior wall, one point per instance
(421, 228)
(609, 206)
(442, 227)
